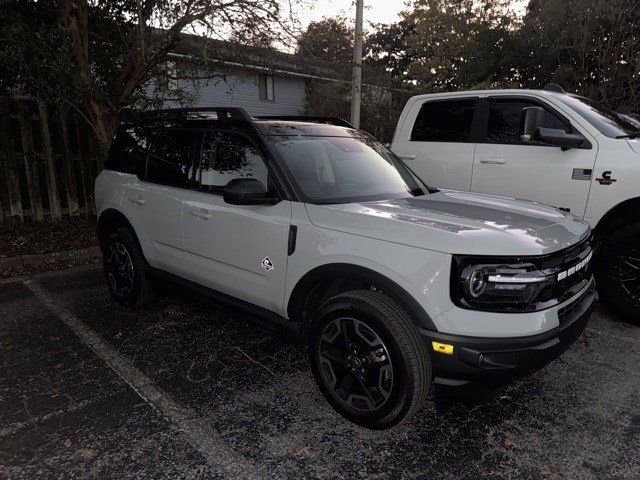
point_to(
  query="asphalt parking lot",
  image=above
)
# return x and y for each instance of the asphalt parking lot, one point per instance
(182, 389)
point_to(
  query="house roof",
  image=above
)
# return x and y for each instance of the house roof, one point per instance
(250, 57)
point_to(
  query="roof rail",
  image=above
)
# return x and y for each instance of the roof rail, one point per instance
(337, 121)
(222, 113)
(554, 87)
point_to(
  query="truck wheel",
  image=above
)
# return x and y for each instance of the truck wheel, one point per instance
(124, 269)
(368, 359)
(618, 272)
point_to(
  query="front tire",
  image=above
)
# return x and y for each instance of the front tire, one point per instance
(618, 272)
(368, 359)
(124, 269)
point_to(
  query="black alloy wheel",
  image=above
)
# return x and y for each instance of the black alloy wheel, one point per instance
(355, 364)
(627, 274)
(368, 359)
(125, 269)
(119, 269)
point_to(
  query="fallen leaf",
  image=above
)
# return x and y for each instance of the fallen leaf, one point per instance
(302, 451)
(68, 442)
(199, 470)
(86, 453)
(545, 471)
(509, 443)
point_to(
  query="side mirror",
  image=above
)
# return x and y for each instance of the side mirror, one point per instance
(532, 120)
(532, 130)
(247, 191)
(554, 136)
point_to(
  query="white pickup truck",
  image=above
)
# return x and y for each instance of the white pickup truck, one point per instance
(542, 145)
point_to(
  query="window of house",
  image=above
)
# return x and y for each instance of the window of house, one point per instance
(170, 157)
(444, 121)
(266, 87)
(227, 155)
(505, 117)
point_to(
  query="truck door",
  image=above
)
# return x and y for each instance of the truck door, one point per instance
(504, 165)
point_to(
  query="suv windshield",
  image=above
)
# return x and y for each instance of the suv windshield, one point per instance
(345, 169)
(606, 121)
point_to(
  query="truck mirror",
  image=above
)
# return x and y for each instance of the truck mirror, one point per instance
(532, 119)
(560, 138)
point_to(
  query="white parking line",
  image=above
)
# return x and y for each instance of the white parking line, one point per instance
(198, 434)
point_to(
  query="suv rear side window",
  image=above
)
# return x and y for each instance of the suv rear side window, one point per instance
(128, 152)
(171, 156)
(444, 121)
(229, 155)
(505, 117)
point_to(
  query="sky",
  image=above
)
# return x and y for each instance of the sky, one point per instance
(376, 11)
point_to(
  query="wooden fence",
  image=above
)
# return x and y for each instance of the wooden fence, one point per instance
(49, 159)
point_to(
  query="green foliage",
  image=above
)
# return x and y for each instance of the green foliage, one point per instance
(329, 40)
(103, 56)
(589, 47)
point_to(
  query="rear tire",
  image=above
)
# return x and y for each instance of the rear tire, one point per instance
(369, 359)
(124, 269)
(617, 271)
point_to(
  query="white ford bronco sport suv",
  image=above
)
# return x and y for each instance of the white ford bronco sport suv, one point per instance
(314, 226)
(541, 145)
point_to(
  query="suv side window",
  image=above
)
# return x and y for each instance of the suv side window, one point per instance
(505, 118)
(444, 121)
(171, 156)
(229, 155)
(128, 152)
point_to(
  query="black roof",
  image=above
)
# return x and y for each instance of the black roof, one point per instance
(251, 57)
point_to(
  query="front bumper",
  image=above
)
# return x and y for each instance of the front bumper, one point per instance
(494, 361)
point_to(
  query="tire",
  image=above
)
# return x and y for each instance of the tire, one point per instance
(377, 396)
(128, 282)
(617, 271)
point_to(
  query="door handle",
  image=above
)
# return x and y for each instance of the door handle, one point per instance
(137, 200)
(493, 160)
(201, 213)
(407, 157)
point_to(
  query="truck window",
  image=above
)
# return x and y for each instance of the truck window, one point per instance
(607, 122)
(444, 121)
(170, 157)
(505, 117)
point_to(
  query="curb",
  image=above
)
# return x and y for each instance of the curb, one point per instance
(42, 258)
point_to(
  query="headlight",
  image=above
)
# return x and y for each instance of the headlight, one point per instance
(500, 285)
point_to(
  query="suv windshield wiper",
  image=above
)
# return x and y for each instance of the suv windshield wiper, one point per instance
(631, 135)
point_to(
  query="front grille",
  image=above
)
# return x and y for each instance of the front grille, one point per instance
(561, 262)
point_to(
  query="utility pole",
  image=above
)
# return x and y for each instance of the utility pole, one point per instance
(356, 86)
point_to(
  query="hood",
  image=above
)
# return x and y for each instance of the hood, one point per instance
(458, 223)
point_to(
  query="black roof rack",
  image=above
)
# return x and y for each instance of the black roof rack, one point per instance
(239, 113)
(222, 113)
(339, 122)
